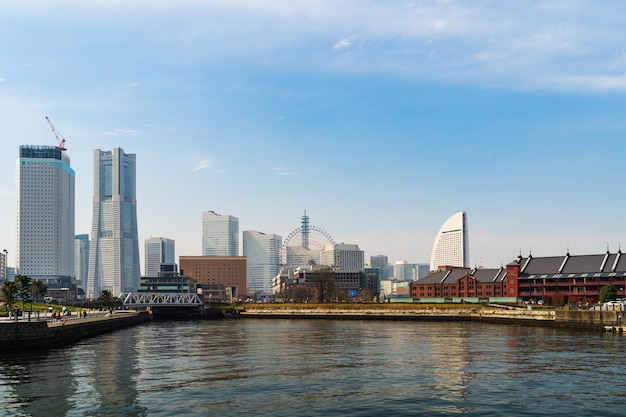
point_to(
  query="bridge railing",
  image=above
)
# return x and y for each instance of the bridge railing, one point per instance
(161, 299)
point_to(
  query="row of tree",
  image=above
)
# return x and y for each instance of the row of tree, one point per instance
(24, 289)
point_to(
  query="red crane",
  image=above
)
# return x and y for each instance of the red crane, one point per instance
(60, 138)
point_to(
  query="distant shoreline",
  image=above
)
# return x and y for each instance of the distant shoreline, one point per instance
(577, 319)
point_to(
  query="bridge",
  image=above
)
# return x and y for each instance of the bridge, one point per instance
(152, 300)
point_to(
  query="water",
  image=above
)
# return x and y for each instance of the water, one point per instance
(322, 368)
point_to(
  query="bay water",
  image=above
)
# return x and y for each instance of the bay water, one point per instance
(278, 367)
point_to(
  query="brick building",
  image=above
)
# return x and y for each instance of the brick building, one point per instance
(229, 271)
(552, 279)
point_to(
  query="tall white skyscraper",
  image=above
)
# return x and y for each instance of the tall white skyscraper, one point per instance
(262, 252)
(114, 251)
(45, 215)
(451, 247)
(159, 250)
(81, 260)
(343, 257)
(220, 234)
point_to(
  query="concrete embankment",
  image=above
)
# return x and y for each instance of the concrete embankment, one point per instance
(24, 335)
(582, 319)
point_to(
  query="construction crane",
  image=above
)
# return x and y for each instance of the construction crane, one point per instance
(60, 138)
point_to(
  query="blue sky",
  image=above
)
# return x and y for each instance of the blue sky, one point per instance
(380, 118)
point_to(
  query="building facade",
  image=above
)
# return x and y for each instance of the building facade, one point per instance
(381, 262)
(45, 215)
(158, 251)
(343, 257)
(262, 252)
(220, 234)
(114, 249)
(229, 271)
(459, 284)
(81, 261)
(451, 247)
(3, 265)
(404, 271)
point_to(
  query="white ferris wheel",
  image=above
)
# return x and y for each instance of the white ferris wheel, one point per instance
(304, 245)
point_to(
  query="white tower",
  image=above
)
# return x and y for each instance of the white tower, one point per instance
(159, 250)
(262, 252)
(45, 214)
(451, 247)
(114, 250)
(220, 234)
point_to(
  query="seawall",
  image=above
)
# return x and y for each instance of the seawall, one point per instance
(579, 319)
(22, 336)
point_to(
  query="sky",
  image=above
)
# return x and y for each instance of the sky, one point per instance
(381, 119)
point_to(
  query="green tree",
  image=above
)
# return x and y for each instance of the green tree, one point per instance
(105, 299)
(38, 289)
(9, 290)
(607, 293)
(23, 284)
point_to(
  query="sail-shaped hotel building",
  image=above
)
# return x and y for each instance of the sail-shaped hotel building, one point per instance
(451, 247)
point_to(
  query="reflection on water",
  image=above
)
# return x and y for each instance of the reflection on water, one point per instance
(321, 368)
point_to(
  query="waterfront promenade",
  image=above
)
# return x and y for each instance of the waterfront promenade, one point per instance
(44, 332)
(582, 319)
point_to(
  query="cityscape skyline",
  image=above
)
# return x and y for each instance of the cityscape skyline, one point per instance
(379, 126)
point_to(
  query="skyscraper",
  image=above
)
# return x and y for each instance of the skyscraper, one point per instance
(381, 262)
(220, 234)
(45, 215)
(114, 251)
(343, 257)
(159, 250)
(451, 247)
(81, 260)
(262, 252)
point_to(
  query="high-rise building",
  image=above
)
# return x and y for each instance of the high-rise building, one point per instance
(159, 251)
(220, 234)
(451, 247)
(343, 257)
(45, 215)
(114, 250)
(262, 252)
(404, 271)
(381, 262)
(422, 270)
(3, 265)
(81, 260)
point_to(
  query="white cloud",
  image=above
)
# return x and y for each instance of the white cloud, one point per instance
(122, 132)
(202, 165)
(281, 170)
(343, 43)
(1, 80)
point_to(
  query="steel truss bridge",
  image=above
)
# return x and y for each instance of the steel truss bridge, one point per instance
(132, 299)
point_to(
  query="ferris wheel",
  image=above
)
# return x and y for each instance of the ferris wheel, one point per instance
(303, 245)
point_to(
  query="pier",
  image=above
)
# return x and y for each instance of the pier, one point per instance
(23, 335)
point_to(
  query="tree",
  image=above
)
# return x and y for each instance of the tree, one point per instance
(105, 299)
(324, 283)
(607, 293)
(23, 284)
(9, 290)
(38, 289)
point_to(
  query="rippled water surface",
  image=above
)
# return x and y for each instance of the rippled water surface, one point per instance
(322, 368)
